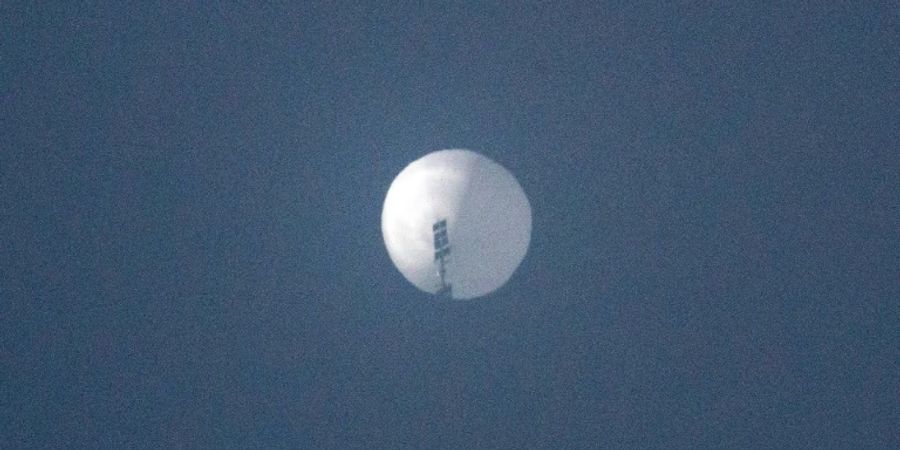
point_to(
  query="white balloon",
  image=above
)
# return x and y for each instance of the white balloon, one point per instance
(488, 222)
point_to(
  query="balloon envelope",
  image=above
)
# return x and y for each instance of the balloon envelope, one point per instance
(488, 222)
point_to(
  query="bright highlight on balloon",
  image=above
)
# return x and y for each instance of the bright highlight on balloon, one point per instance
(456, 224)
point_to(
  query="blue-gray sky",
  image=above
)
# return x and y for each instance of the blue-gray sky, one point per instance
(191, 249)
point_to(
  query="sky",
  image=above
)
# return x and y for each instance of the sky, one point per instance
(190, 201)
